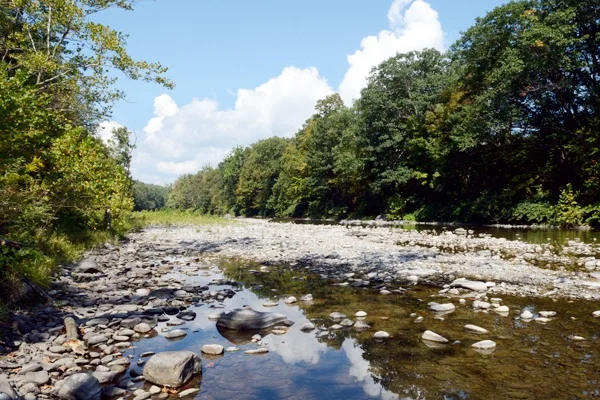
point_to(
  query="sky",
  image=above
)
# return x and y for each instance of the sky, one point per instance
(248, 70)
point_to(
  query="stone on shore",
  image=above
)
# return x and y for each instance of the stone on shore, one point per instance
(172, 368)
(380, 335)
(80, 387)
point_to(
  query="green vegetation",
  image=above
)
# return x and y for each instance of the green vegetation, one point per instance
(57, 179)
(175, 217)
(504, 127)
(149, 197)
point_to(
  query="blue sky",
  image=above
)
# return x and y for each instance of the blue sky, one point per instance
(246, 70)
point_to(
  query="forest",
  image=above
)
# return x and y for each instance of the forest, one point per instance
(58, 70)
(504, 127)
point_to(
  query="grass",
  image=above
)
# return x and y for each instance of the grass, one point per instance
(174, 217)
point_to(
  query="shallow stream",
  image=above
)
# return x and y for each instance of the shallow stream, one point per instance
(531, 361)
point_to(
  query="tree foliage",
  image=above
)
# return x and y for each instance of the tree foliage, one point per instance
(57, 178)
(504, 127)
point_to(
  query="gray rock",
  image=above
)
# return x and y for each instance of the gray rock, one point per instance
(97, 339)
(175, 334)
(88, 266)
(249, 319)
(212, 349)
(105, 377)
(80, 387)
(477, 286)
(442, 307)
(172, 368)
(309, 326)
(142, 328)
(39, 378)
(381, 335)
(7, 389)
(433, 337)
(188, 392)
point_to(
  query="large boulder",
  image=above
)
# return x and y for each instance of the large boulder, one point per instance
(248, 319)
(80, 387)
(172, 368)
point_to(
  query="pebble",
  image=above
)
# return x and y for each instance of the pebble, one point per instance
(484, 345)
(142, 328)
(188, 392)
(547, 314)
(260, 350)
(526, 315)
(442, 307)
(381, 335)
(360, 314)
(309, 326)
(290, 300)
(475, 329)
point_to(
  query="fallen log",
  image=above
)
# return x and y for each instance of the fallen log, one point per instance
(73, 342)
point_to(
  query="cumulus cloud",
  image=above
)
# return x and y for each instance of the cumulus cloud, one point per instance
(105, 129)
(182, 138)
(201, 132)
(414, 25)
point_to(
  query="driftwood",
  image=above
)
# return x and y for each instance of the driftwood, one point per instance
(72, 331)
(10, 243)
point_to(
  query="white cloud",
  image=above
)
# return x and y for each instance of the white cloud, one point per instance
(105, 129)
(182, 138)
(413, 28)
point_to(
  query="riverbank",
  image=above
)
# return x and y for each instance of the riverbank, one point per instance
(381, 255)
(154, 284)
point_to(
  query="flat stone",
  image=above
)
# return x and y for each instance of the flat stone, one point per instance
(347, 322)
(477, 286)
(437, 307)
(97, 339)
(175, 334)
(39, 378)
(212, 349)
(337, 315)
(502, 310)
(360, 314)
(433, 337)
(172, 368)
(97, 321)
(260, 350)
(547, 314)
(484, 345)
(269, 304)
(482, 305)
(475, 329)
(188, 392)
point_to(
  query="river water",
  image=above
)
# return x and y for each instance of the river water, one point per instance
(531, 361)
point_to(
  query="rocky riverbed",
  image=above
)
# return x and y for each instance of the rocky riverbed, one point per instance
(360, 255)
(164, 287)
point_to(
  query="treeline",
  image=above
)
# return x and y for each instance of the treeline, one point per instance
(57, 179)
(504, 127)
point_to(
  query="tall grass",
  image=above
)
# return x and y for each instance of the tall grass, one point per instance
(174, 217)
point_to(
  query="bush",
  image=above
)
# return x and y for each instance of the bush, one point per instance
(568, 213)
(533, 213)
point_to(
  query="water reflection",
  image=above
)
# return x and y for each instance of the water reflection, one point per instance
(531, 361)
(361, 370)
